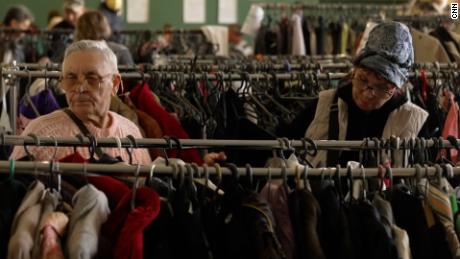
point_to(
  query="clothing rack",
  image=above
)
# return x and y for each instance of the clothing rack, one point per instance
(250, 66)
(282, 143)
(22, 167)
(70, 31)
(232, 76)
(12, 74)
(367, 7)
(426, 18)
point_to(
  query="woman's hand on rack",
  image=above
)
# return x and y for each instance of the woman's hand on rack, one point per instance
(211, 158)
(44, 60)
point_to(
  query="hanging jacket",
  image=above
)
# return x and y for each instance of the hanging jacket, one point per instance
(277, 197)
(369, 237)
(423, 42)
(142, 97)
(11, 194)
(51, 231)
(122, 233)
(451, 123)
(90, 211)
(298, 41)
(244, 227)
(334, 231)
(404, 122)
(305, 213)
(117, 105)
(427, 239)
(25, 223)
(44, 101)
(449, 40)
(48, 206)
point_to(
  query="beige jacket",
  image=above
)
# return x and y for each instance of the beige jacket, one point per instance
(404, 122)
(427, 48)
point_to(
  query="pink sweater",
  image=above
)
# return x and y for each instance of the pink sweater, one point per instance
(58, 124)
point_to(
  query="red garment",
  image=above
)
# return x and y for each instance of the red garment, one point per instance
(114, 189)
(451, 123)
(142, 97)
(123, 232)
(111, 187)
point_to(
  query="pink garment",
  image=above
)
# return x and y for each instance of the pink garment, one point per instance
(58, 124)
(276, 196)
(451, 123)
(53, 227)
(51, 247)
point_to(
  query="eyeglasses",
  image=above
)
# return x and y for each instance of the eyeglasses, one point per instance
(92, 82)
(380, 91)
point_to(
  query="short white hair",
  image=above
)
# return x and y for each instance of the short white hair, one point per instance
(94, 45)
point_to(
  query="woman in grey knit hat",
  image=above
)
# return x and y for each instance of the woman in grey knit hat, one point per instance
(370, 102)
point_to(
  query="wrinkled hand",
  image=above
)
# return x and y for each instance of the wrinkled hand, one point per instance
(44, 61)
(211, 158)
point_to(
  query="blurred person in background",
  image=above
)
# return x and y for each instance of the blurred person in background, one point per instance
(73, 9)
(17, 17)
(111, 9)
(238, 46)
(93, 25)
(54, 18)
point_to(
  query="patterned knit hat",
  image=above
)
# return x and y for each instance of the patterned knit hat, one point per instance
(388, 52)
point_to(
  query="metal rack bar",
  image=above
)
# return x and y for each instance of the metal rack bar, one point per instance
(212, 143)
(22, 167)
(333, 6)
(70, 31)
(254, 65)
(210, 76)
(214, 67)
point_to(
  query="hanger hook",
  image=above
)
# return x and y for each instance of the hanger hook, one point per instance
(169, 146)
(55, 147)
(118, 140)
(178, 145)
(305, 176)
(181, 175)
(135, 186)
(36, 142)
(85, 172)
(219, 174)
(269, 171)
(12, 169)
(152, 170)
(249, 175)
(130, 150)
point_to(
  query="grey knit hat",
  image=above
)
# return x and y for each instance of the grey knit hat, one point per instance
(389, 52)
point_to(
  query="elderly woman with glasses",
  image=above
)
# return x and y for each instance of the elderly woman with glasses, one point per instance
(370, 102)
(89, 78)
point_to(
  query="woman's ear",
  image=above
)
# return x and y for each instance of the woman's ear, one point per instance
(116, 82)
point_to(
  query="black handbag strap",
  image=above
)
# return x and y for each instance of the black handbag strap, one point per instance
(83, 129)
(333, 156)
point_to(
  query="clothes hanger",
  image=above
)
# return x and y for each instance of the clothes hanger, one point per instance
(297, 180)
(29, 155)
(314, 152)
(26, 97)
(135, 186)
(12, 170)
(338, 184)
(250, 178)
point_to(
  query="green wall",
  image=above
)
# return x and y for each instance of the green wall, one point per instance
(163, 11)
